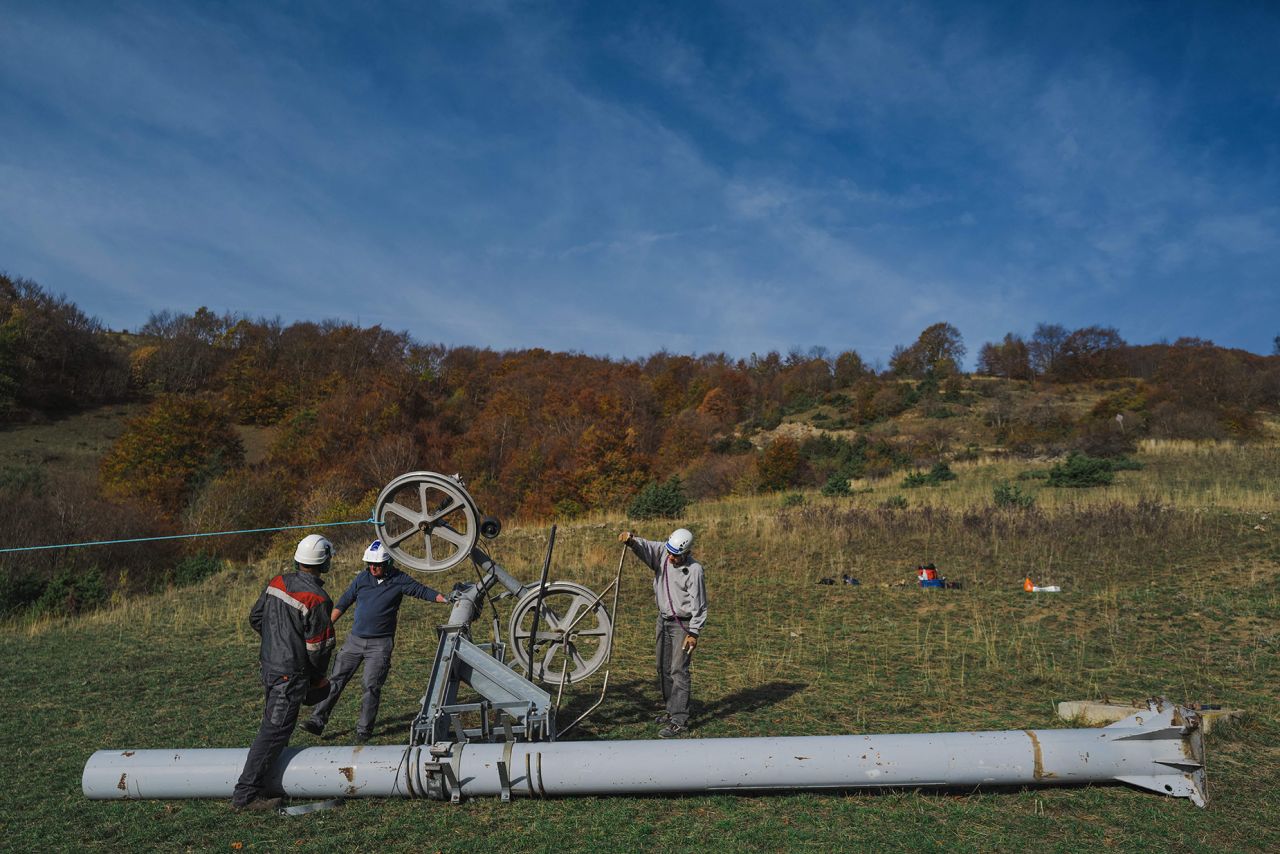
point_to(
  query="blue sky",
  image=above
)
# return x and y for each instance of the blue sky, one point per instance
(620, 178)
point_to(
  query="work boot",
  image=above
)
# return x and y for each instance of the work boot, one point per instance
(312, 727)
(259, 804)
(671, 730)
(363, 737)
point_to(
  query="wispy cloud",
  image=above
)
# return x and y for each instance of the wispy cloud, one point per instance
(510, 175)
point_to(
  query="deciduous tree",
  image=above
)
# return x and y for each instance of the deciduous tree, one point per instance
(780, 465)
(162, 456)
(1009, 359)
(938, 352)
(1046, 346)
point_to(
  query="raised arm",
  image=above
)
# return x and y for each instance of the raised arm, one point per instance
(647, 550)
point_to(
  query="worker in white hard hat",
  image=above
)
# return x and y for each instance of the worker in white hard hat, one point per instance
(294, 617)
(681, 593)
(377, 592)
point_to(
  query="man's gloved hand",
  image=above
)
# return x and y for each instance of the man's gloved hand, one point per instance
(690, 643)
(624, 537)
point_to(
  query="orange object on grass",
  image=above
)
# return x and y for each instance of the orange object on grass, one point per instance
(1028, 586)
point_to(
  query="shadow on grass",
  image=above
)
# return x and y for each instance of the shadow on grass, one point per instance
(626, 704)
(638, 701)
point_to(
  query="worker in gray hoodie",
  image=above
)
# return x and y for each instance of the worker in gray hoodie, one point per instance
(681, 594)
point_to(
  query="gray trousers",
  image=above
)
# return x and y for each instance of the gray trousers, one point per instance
(673, 670)
(375, 654)
(284, 695)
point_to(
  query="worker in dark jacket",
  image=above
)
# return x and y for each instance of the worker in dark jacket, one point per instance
(376, 592)
(293, 617)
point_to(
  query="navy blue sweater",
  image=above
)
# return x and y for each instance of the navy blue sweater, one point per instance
(378, 601)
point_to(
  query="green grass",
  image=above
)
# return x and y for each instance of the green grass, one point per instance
(1159, 598)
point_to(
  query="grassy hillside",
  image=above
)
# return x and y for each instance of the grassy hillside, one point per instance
(1170, 587)
(71, 445)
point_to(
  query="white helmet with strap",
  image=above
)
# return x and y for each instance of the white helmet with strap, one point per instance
(680, 541)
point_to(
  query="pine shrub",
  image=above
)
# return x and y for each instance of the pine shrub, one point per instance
(1011, 496)
(659, 501)
(940, 473)
(1081, 471)
(836, 485)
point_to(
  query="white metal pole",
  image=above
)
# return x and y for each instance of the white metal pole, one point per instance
(1159, 750)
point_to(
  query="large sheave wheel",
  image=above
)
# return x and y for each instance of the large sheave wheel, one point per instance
(427, 521)
(574, 631)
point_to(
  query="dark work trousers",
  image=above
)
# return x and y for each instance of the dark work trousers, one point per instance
(673, 670)
(284, 695)
(375, 653)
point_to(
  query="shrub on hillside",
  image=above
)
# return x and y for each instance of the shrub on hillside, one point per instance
(569, 508)
(72, 592)
(1106, 439)
(732, 445)
(836, 485)
(829, 457)
(1081, 470)
(1010, 496)
(767, 420)
(195, 568)
(715, 475)
(1167, 421)
(659, 501)
(793, 499)
(781, 465)
(19, 590)
(940, 473)
(239, 500)
(161, 457)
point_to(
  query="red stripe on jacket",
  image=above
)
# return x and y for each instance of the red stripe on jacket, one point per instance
(323, 636)
(303, 597)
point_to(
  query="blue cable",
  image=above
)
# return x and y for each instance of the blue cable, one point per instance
(186, 536)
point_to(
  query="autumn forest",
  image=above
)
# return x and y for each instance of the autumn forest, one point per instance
(238, 422)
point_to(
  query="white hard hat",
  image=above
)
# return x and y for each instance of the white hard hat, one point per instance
(376, 553)
(679, 541)
(314, 550)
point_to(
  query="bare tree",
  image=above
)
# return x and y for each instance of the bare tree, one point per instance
(1046, 347)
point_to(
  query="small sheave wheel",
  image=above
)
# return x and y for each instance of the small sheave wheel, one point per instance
(427, 521)
(574, 632)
